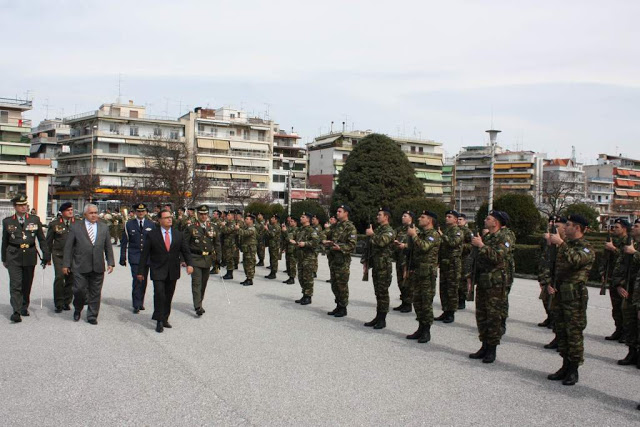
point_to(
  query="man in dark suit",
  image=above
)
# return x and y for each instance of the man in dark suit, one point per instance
(87, 245)
(162, 250)
(133, 237)
(19, 254)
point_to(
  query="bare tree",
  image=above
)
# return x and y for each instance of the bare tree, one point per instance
(239, 193)
(170, 172)
(88, 184)
(558, 192)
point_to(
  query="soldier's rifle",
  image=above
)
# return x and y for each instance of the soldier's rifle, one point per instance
(553, 254)
(607, 266)
(628, 262)
(406, 271)
(471, 296)
(366, 258)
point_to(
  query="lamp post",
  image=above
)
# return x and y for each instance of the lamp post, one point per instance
(493, 135)
(291, 164)
(93, 129)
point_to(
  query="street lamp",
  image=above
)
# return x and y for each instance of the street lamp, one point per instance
(291, 163)
(493, 135)
(93, 129)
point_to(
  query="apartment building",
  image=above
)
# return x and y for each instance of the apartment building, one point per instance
(46, 137)
(563, 182)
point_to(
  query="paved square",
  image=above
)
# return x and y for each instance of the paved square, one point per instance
(264, 360)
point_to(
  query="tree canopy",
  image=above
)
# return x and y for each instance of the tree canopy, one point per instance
(376, 174)
(417, 205)
(521, 208)
(586, 211)
(309, 206)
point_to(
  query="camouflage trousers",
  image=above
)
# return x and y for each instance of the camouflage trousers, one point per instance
(489, 306)
(450, 273)
(403, 285)
(199, 279)
(315, 262)
(630, 316)
(571, 319)
(236, 257)
(544, 297)
(382, 273)
(305, 273)
(228, 252)
(505, 306)
(249, 262)
(261, 250)
(274, 256)
(616, 307)
(340, 282)
(423, 290)
(462, 284)
(291, 262)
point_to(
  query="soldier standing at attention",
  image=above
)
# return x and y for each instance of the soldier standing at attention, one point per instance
(326, 239)
(260, 228)
(57, 233)
(450, 266)
(401, 244)
(511, 268)
(306, 240)
(19, 254)
(240, 220)
(248, 241)
(466, 251)
(615, 250)
(569, 305)
(201, 239)
(628, 269)
(382, 266)
(215, 223)
(228, 232)
(272, 232)
(315, 223)
(343, 243)
(424, 245)
(290, 254)
(491, 281)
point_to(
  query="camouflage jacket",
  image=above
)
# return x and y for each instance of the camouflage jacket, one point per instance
(635, 270)
(574, 261)
(382, 245)
(466, 241)
(273, 236)
(510, 261)
(619, 275)
(451, 244)
(290, 234)
(344, 235)
(309, 236)
(491, 261)
(248, 238)
(425, 247)
(609, 258)
(228, 232)
(400, 255)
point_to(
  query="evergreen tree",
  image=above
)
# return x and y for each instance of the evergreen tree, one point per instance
(521, 208)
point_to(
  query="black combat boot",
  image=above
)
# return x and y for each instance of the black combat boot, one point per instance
(480, 353)
(229, 275)
(572, 374)
(374, 321)
(417, 334)
(631, 358)
(334, 311)
(298, 301)
(406, 308)
(248, 282)
(503, 327)
(398, 308)
(306, 300)
(490, 355)
(244, 281)
(290, 281)
(271, 275)
(462, 304)
(441, 317)
(562, 372)
(382, 321)
(260, 263)
(342, 311)
(553, 344)
(425, 336)
(545, 322)
(15, 317)
(450, 317)
(616, 335)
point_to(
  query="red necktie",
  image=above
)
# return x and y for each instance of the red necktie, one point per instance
(167, 242)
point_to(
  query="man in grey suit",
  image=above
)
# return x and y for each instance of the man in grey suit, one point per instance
(88, 244)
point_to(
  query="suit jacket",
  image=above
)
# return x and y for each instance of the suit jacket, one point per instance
(133, 239)
(84, 257)
(164, 265)
(14, 235)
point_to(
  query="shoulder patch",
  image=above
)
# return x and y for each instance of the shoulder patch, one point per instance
(353, 236)
(431, 238)
(457, 234)
(507, 244)
(586, 250)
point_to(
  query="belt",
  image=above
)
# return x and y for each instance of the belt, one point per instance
(22, 245)
(205, 253)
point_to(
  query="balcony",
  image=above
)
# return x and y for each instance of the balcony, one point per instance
(11, 124)
(20, 104)
(228, 136)
(102, 114)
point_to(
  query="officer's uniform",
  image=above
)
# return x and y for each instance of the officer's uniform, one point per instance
(201, 239)
(19, 255)
(57, 233)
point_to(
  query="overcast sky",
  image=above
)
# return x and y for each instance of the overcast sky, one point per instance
(552, 74)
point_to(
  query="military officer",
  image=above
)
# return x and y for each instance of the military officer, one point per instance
(491, 285)
(272, 232)
(466, 251)
(569, 305)
(615, 249)
(228, 233)
(290, 250)
(306, 240)
(450, 266)
(342, 244)
(133, 237)
(201, 238)
(19, 254)
(57, 233)
(626, 289)
(260, 228)
(381, 264)
(248, 241)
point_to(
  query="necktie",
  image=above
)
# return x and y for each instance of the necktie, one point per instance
(66, 223)
(167, 242)
(21, 219)
(92, 237)
(140, 225)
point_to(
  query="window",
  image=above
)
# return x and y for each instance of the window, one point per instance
(232, 133)
(133, 131)
(4, 117)
(113, 148)
(413, 149)
(113, 166)
(174, 134)
(157, 132)
(344, 157)
(133, 114)
(200, 127)
(420, 150)
(233, 116)
(113, 128)
(247, 134)
(261, 136)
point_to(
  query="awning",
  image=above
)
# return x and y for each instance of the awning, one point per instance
(431, 176)
(110, 181)
(338, 168)
(522, 165)
(623, 183)
(259, 178)
(205, 143)
(219, 144)
(239, 176)
(414, 159)
(502, 166)
(205, 160)
(621, 193)
(112, 140)
(327, 140)
(430, 189)
(221, 175)
(130, 162)
(242, 162)
(513, 176)
(248, 146)
(260, 163)
(433, 162)
(15, 150)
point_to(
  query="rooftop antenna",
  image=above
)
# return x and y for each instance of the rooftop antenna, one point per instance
(331, 131)
(119, 88)
(267, 111)
(46, 108)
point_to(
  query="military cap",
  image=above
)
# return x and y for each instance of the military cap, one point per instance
(203, 209)
(140, 207)
(191, 208)
(429, 213)
(637, 221)
(20, 199)
(384, 209)
(623, 222)
(461, 215)
(507, 218)
(561, 219)
(554, 218)
(219, 212)
(499, 215)
(333, 216)
(276, 216)
(578, 219)
(293, 218)
(411, 214)
(345, 208)
(65, 206)
(308, 215)
(452, 212)
(250, 215)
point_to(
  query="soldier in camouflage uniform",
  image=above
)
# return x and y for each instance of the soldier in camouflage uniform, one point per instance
(627, 290)
(399, 256)
(260, 228)
(326, 239)
(343, 243)
(491, 283)
(57, 233)
(19, 254)
(228, 232)
(450, 266)
(272, 233)
(249, 242)
(615, 249)
(306, 240)
(569, 304)
(240, 220)
(466, 252)
(424, 246)
(382, 266)
(201, 238)
(290, 257)
(315, 223)
(215, 222)
(510, 271)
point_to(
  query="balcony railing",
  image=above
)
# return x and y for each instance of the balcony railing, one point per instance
(100, 114)
(226, 135)
(17, 102)
(11, 121)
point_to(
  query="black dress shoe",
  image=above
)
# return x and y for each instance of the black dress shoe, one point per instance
(136, 310)
(167, 325)
(159, 327)
(76, 316)
(92, 321)
(67, 307)
(199, 311)
(24, 312)
(58, 310)
(616, 335)
(15, 317)
(142, 308)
